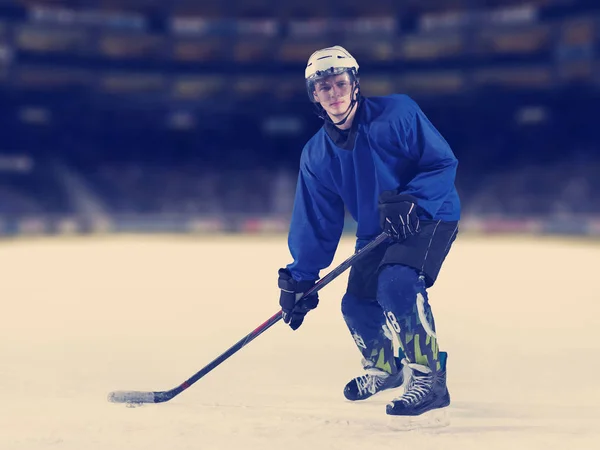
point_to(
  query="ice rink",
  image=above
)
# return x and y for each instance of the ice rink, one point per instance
(81, 317)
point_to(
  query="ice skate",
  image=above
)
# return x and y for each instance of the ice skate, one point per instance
(425, 396)
(374, 381)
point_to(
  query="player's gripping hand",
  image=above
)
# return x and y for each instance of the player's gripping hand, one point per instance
(398, 215)
(294, 309)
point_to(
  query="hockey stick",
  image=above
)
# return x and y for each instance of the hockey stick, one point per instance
(135, 397)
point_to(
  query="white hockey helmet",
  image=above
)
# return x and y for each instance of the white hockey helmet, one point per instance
(330, 61)
(326, 62)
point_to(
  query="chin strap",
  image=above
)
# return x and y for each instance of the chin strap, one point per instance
(348, 111)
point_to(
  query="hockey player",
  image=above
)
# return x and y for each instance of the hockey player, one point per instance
(383, 161)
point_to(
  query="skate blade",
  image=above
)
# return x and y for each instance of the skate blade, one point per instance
(437, 418)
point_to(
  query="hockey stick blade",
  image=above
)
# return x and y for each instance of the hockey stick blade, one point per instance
(131, 397)
(139, 397)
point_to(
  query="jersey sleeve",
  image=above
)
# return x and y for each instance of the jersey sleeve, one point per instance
(316, 226)
(436, 163)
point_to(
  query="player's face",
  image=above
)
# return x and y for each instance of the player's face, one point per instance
(334, 94)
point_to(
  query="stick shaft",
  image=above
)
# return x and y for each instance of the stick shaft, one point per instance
(163, 396)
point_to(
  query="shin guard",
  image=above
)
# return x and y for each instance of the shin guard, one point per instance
(403, 296)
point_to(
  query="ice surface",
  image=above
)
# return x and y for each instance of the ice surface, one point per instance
(83, 317)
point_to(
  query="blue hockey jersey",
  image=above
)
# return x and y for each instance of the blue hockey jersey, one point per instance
(392, 145)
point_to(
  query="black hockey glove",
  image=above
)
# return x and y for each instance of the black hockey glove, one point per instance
(292, 307)
(398, 215)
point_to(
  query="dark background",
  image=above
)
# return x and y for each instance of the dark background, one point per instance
(191, 115)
